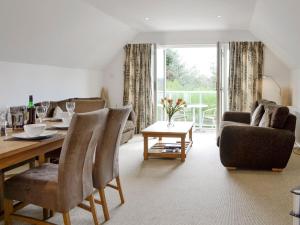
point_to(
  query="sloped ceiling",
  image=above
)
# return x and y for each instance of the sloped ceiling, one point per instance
(178, 15)
(68, 33)
(277, 24)
(88, 33)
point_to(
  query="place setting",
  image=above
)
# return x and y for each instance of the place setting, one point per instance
(30, 122)
(65, 117)
(35, 132)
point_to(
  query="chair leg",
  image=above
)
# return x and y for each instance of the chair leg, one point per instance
(231, 168)
(104, 204)
(120, 190)
(8, 210)
(46, 213)
(93, 209)
(277, 170)
(66, 217)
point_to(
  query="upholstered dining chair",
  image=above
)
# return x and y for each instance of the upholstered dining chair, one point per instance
(61, 187)
(106, 166)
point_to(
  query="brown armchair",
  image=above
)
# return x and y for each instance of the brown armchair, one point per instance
(244, 146)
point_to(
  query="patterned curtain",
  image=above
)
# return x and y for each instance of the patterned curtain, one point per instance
(137, 83)
(245, 74)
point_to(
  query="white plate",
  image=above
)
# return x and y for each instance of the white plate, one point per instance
(54, 119)
(61, 126)
(45, 134)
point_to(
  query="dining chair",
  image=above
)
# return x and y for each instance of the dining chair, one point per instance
(106, 166)
(61, 187)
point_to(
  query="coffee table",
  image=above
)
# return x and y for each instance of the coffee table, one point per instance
(161, 130)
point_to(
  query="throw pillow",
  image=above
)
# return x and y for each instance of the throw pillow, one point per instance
(266, 119)
(279, 116)
(257, 115)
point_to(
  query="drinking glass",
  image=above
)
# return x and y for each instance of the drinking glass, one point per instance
(70, 107)
(46, 104)
(25, 115)
(3, 113)
(3, 121)
(41, 113)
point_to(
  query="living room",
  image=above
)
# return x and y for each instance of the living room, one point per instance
(218, 79)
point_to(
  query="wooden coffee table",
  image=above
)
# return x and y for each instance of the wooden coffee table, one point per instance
(161, 130)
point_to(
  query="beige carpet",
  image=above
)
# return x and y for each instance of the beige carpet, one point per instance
(197, 192)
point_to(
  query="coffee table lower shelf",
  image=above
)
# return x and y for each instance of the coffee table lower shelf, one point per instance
(159, 150)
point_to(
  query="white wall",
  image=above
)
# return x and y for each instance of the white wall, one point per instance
(281, 75)
(45, 82)
(295, 84)
(113, 79)
(113, 72)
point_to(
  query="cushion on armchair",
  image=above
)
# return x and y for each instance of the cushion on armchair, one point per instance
(257, 115)
(279, 116)
(266, 119)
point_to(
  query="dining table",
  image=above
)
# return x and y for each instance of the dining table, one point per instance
(14, 152)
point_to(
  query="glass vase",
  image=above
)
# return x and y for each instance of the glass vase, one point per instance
(170, 121)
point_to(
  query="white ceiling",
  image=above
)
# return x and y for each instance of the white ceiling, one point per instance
(88, 33)
(166, 15)
(67, 33)
(277, 24)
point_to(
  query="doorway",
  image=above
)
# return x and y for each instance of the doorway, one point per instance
(189, 72)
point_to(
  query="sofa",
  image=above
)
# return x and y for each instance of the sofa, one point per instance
(260, 139)
(92, 104)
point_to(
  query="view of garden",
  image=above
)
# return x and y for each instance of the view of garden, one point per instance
(190, 73)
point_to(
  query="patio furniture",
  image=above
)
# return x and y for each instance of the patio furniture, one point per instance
(209, 118)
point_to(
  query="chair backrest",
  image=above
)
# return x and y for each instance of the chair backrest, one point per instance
(76, 159)
(82, 105)
(106, 166)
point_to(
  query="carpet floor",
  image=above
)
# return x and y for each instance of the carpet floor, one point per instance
(198, 192)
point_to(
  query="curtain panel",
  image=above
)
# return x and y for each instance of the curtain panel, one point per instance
(245, 74)
(138, 84)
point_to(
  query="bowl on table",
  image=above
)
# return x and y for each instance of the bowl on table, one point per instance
(34, 130)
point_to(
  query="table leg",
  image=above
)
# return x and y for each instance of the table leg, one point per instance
(194, 115)
(1, 191)
(42, 159)
(183, 155)
(160, 139)
(191, 136)
(145, 147)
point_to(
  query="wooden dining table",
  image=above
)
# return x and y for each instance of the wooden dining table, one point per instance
(15, 151)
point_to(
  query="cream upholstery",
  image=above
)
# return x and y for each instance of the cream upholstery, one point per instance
(106, 166)
(62, 187)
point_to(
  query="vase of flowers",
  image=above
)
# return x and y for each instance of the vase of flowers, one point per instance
(171, 107)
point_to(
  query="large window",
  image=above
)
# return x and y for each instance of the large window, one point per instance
(189, 73)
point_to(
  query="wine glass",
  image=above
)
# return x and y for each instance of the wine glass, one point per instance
(46, 104)
(3, 121)
(41, 112)
(70, 107)
(25, 115)
(3, 113)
